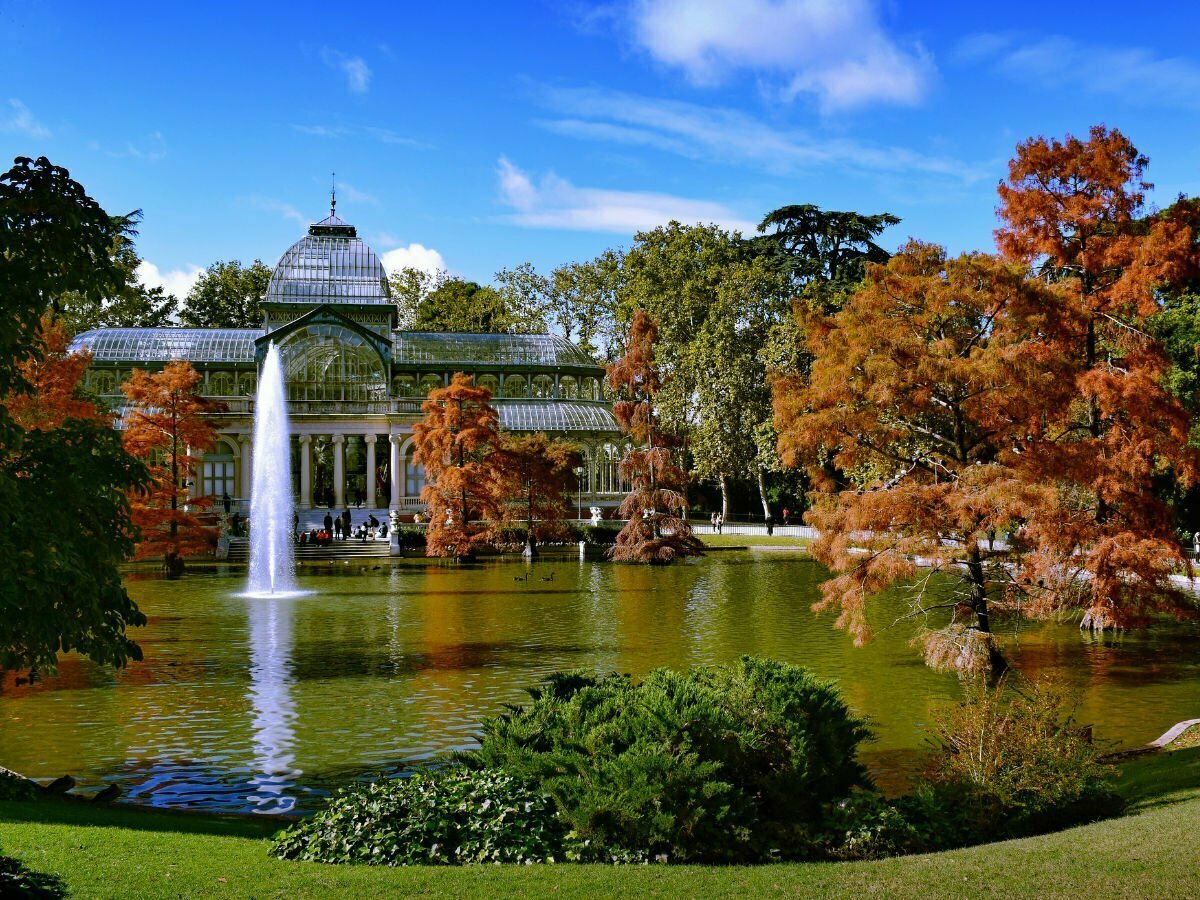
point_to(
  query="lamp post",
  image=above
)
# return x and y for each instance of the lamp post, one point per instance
(579, 492)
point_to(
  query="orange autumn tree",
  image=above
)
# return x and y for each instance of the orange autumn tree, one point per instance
(167, 419)
(531, 475)
(656, 530)
(53, 383)
(924, 391)
(460, 432)
(1074, 208)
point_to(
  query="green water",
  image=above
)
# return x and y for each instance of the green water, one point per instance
(265, 705)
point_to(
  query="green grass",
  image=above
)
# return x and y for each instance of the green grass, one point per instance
(124, 852)
(752, 540)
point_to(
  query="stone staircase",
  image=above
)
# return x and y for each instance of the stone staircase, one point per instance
(239, 550)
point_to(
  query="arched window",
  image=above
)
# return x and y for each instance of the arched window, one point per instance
(606, 469)
(514, 386)
(247, 384)
(103, 381)
(568, 387)
(543, 386)
(491, 382)
(414, 474)
(404, 386)
(430, 383)
(220, 384)
(331, 362)
(585, 480)
(589, 390)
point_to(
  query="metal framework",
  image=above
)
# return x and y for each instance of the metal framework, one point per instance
(329, 265)
(525, 350)
(134, 345)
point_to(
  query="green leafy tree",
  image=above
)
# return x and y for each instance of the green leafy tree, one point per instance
(716, 300)
(227, 295)
(60, 587)
(131, 305)
(465, 306)
(410, 287)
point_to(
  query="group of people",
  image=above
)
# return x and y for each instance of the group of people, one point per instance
(718, 521)
(341, 528)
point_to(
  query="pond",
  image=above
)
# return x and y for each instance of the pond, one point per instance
(266, 705)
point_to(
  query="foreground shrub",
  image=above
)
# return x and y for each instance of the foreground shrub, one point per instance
(446, 817)
(408, 538)
(603, 535)
(14, 787)
(731, 763)
(1011, 763)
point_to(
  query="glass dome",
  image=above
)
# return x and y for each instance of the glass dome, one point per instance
(329, 265)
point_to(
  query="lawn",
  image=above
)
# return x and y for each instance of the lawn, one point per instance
(752, 540)
(124, 852)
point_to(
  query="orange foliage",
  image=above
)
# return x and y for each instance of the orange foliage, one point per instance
(51, 395)
(656, 530)
(460, 432)
(530, 477)
(167, 417)
(966, 399)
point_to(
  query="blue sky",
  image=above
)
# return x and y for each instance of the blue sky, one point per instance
(483, 135)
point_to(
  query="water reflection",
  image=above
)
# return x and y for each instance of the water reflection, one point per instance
(274, 708)
(263, 705)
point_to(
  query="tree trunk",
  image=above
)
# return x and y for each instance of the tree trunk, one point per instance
(724, 497)
(979, 601)
(762, 492)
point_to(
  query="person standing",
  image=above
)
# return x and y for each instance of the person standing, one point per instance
(346, 523)
(328, 523)
(227, 502)
(786, 512)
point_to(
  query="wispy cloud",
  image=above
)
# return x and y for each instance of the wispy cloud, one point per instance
(354, 195)
(150, 148)
(553, 202)
(21, 121)
(383, 135)
(839, 52)
(173, 281)
(1134, 74)
(728, 135)
(354, 68)
(414, 256)
(286, 210)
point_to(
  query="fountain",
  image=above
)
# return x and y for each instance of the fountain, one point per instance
(272, 566)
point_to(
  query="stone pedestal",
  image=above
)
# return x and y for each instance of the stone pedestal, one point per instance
(393, 532)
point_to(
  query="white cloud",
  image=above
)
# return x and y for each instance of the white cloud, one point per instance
(1133, 74)
(414, 256)
(727, 135)
(354, 195)
(278, 206)
(354, 68)
(837, 50)
(553, 202)
(22, 121)
(176, 281)
(383, 135)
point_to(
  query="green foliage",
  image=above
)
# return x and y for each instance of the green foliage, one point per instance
(129, 305)
(14, 787)
(603, 535)
(227, 295)
(446, 817)
(1012, 763)
(410, 538)
(464, 306)
(812, 245)
(59, 585)
(723, 764)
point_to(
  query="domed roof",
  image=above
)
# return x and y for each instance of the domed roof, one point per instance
(329, 265)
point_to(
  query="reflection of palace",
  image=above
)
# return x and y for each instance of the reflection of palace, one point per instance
(355, 383)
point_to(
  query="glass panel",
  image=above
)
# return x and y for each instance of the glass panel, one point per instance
(330, 362)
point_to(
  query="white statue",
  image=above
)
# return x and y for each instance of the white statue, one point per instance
(595, 511)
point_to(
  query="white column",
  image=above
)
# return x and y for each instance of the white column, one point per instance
(247, 464)
(370, 439)
(306, 471)
(396, 468)
(339, 471)
(191, 473)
